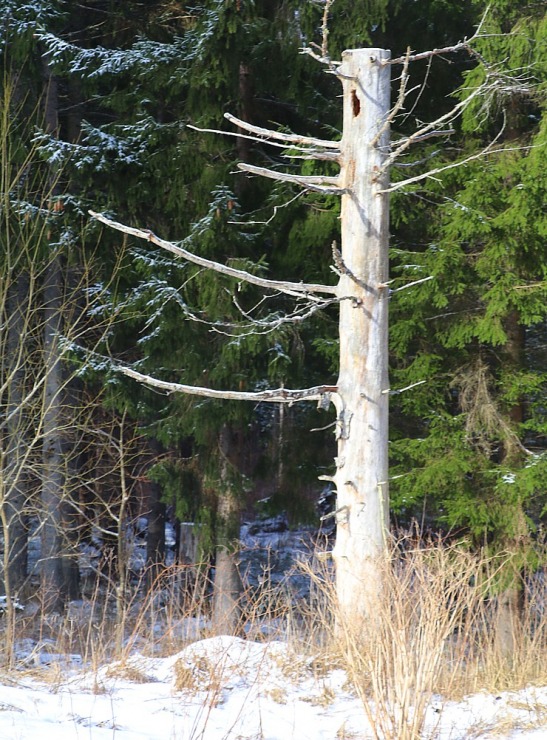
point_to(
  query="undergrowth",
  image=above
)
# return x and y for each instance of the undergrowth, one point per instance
(431, 632)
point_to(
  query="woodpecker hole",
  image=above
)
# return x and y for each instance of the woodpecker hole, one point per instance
(355, 104)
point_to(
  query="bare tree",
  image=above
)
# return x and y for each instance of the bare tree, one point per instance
(39, 433)
(365, 155)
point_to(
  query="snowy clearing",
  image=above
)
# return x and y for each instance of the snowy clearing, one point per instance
(226, 688)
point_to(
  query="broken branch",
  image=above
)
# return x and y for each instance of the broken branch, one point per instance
(298, 290)
(431, 173)
(279, 395)
(320, 184)
(244, 136)
(265, 133)
(400, 101)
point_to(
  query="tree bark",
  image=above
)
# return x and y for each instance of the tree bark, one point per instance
(361, 476)
(54, 505)
(227, 585)
(74, 456)
(508, 614)
(53, 469)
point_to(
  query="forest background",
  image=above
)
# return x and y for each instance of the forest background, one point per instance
(99, 101)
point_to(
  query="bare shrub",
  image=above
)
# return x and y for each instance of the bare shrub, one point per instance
(419, 641)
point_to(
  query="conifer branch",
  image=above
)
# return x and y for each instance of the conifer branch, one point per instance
(298, 290)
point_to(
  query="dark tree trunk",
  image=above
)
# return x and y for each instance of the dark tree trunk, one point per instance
(53, 464)
(55, 555)
(227, 585)
(155, 533)
(510, 601)
(75, 457)
(245, 112)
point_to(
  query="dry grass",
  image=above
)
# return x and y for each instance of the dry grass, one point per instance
(431, 634)
(492, 669)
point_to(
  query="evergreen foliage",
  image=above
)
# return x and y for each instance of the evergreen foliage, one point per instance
(469, 444)
(477, 451)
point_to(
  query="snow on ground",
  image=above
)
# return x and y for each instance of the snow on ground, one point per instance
(226, 688)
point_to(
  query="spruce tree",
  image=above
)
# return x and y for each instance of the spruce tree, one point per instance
(147, 164)
(475, 459)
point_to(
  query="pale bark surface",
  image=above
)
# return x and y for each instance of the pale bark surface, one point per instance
(362, 464)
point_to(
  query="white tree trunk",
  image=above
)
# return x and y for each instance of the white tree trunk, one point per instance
(362, 462)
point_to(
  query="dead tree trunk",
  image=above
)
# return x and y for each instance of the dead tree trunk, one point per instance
(362, 462)
(361, 396)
